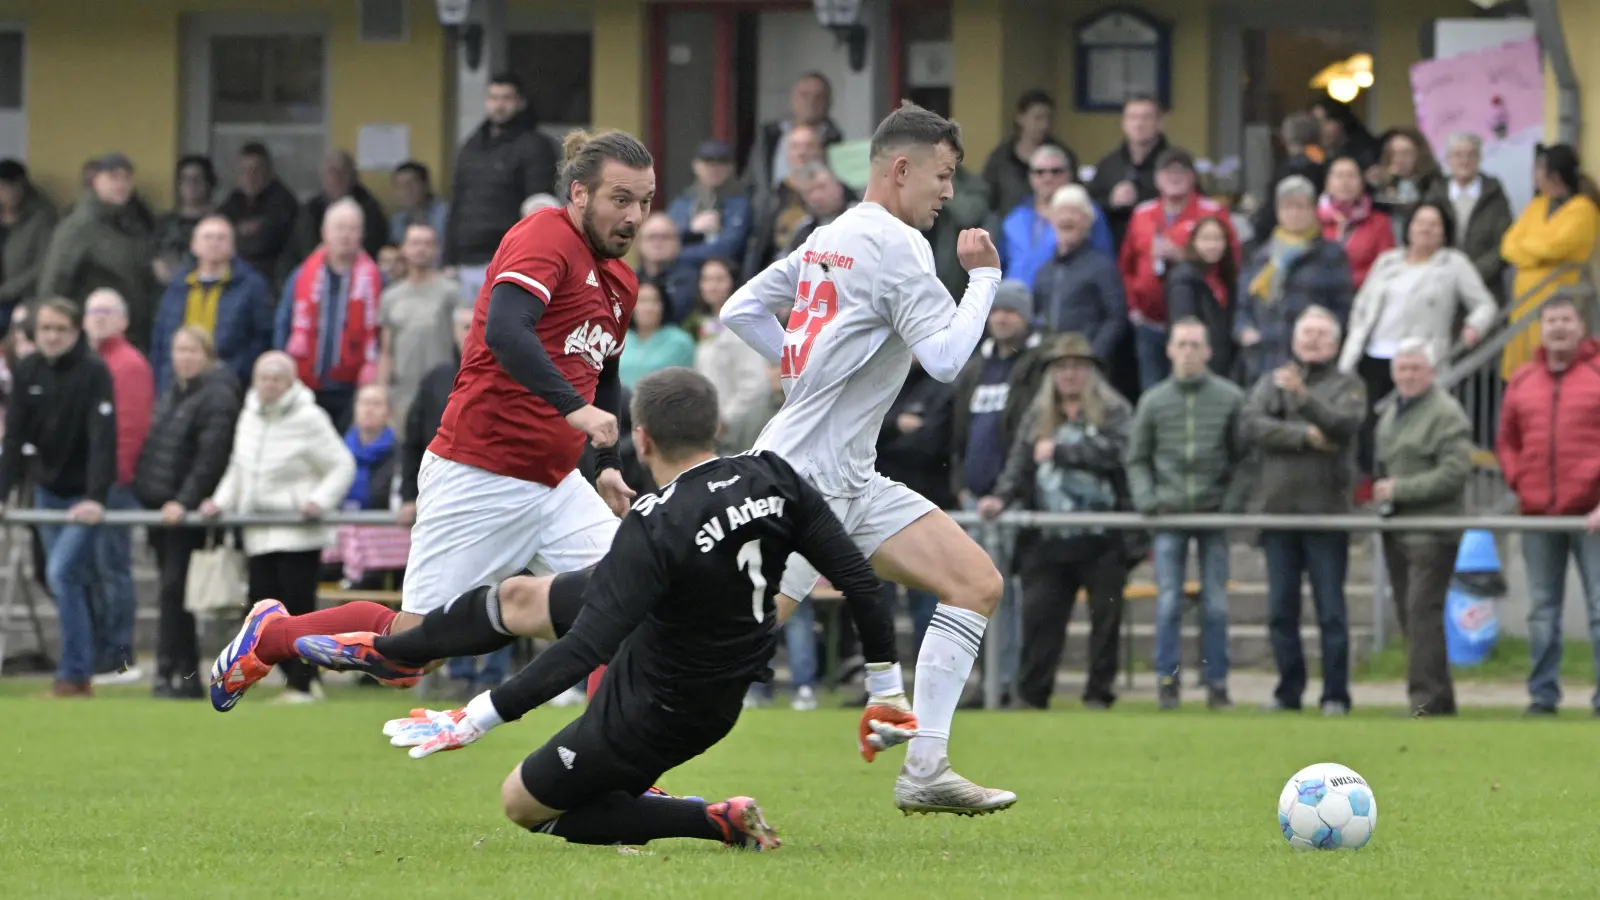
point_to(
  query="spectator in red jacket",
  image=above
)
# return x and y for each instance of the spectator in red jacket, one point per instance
(1155, 239)
(133, 392)
(1549, 450)
(1348, 217)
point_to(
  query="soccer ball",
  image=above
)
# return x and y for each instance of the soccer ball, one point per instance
(1327, 807)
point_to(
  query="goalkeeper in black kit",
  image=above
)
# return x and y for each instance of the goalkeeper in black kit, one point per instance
(681, 609)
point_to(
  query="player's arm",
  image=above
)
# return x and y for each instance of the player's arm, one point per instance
(821, 539)
(608, 398)
(941, 333)
(752, 312)
(510, 332)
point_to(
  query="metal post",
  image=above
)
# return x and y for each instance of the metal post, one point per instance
(991, 637)
(1380, 590)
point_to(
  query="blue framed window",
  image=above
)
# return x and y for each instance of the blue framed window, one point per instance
(1122, 52)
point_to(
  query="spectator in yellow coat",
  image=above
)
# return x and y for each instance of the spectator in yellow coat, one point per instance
(1558, 228)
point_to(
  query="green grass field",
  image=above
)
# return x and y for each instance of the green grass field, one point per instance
(128, 797)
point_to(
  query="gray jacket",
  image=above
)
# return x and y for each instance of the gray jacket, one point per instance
(1291, 477)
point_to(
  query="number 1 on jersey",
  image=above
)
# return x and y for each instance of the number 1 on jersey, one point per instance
(749, 560)
(812, 310)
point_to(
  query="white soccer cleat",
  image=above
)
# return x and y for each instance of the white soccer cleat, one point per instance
(946, 792)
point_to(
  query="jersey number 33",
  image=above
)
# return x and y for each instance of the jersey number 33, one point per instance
(813, 310)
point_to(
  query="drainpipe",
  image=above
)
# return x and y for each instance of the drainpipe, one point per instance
(1547, 24)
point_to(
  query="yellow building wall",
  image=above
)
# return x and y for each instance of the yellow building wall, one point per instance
(106, 76)
(621, 65)
(1580, 19)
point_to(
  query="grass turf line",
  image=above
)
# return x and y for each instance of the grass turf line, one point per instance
(129, 797)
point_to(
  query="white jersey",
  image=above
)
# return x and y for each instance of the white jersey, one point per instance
(857, 295)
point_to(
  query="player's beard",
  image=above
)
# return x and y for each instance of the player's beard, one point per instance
(612, 246)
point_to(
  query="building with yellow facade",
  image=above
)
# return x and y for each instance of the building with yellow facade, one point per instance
(383, 78)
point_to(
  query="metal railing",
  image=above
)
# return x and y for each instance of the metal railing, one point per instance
(996, 535)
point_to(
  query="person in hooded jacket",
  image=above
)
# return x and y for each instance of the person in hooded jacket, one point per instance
(184, 457)
(27, 219)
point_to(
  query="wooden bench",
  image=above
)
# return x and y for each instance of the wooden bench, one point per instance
(331, 594)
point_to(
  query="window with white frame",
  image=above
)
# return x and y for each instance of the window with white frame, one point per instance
(258, 79)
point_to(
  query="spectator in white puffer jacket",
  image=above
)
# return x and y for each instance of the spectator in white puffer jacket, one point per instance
(287, 458)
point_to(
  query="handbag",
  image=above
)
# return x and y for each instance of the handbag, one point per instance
(218, 578)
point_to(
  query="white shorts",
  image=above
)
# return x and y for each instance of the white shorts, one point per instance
(880, 512)
(475, 528)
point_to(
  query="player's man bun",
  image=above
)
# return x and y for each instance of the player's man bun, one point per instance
(677, 408)
(584, 154)
(913, 126)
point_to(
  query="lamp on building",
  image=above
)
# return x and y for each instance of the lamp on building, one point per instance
(843, 18)
(1345, 79)
(453, 15)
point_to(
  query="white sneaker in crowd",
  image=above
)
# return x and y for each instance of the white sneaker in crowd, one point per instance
(805, 699)
(572, 696)
(131, 675)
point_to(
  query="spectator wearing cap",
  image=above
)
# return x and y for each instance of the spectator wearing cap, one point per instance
(780, 211)
(413, 191)
(980, 434)
(27, 219)
(1007, 172)
(772, 158)
(1155, 239)
(1126, 177)
(1293, 270)
(194, 185)
(1028, 237)
(340, 180)
(825, 197)
(713, 214)
(661, 263)
(1067, 457)
(1303, 418)
(263, 212)
(1079, 288)
(104, 242)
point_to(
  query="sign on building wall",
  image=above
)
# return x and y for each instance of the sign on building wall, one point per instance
(1495, 93)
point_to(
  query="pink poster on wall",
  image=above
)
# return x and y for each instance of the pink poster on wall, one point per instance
(1496, 94)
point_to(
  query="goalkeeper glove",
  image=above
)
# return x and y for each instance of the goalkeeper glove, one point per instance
(887, 721)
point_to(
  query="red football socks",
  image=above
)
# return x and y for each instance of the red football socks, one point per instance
(276, 644)
(594, 681)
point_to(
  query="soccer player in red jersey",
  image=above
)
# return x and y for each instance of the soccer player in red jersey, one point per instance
(499, 487)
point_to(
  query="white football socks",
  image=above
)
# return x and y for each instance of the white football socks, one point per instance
(948, 650)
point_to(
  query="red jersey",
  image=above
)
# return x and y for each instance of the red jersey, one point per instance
(496, 424)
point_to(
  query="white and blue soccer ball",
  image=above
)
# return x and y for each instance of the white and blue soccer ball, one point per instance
(1327, 807)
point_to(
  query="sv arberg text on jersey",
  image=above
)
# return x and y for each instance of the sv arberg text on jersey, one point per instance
(752, 508)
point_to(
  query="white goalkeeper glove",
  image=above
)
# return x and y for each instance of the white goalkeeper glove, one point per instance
(428, 731)
(887, 721)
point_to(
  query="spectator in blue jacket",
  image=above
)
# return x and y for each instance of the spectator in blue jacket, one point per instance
(1028, 240)
(661, 263)
(220, 293)
(713, 214)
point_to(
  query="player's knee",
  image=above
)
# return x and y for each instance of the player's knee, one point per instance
(525, 604)
(978, 589)
(519, 805)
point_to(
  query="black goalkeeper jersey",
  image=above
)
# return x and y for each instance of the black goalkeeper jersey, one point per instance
(683, 601)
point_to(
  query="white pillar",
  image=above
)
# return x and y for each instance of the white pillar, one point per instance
(472, 84)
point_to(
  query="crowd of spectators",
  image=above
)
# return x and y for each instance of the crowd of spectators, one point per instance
(1153, 348)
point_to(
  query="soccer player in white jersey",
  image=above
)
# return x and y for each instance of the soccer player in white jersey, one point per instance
(861, 299)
